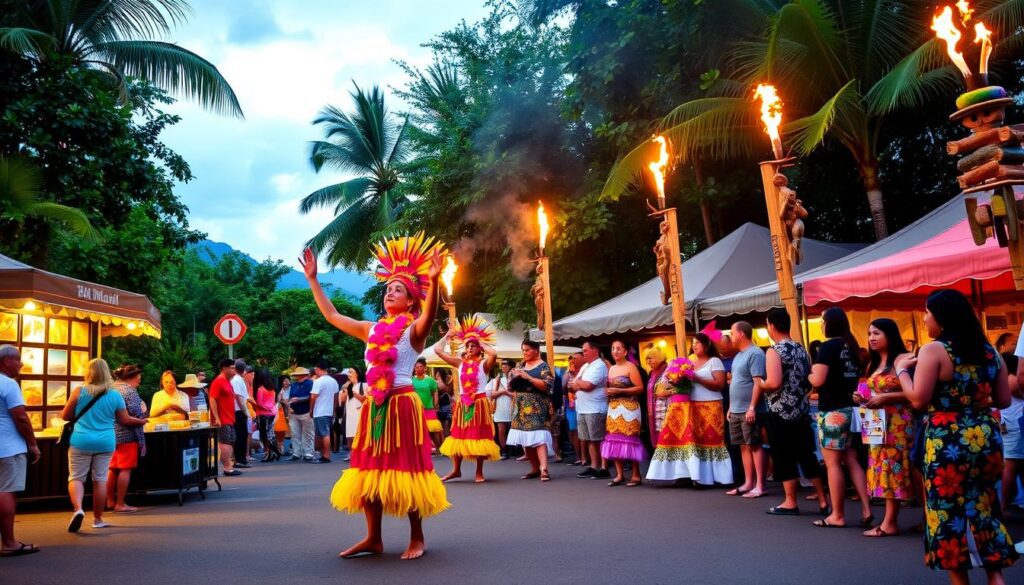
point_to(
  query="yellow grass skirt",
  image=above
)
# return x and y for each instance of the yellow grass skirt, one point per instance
(475, 437)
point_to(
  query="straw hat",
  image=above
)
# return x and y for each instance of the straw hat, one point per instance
(300, 372)
(192, 381)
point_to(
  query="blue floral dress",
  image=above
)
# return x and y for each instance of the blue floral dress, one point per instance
(963, 460)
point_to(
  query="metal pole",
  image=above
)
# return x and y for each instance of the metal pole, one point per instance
(549, 332)
(231, 351)
(675, 276)
(780, 245)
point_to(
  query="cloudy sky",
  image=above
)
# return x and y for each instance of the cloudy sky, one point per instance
(286, 59)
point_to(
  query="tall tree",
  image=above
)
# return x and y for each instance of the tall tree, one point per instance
(20, 186)
(115, 38)
(370, 144)
(843, 68)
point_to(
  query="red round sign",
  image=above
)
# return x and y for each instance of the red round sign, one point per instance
(230, 329)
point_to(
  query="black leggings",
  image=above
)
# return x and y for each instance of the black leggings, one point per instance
(241, 436)
(266, 427)
(792, 443)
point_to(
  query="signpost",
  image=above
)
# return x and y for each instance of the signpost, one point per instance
(230, 329)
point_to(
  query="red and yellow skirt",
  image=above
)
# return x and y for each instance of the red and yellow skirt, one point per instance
(692, 444)
(433, 424)
(473, 437)
(395, 470)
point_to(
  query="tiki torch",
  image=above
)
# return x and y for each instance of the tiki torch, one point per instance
(448, 279)
(992, 159)
(785, 211)
(543, 227)
(666, 250)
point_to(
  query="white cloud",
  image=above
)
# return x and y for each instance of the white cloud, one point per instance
(285, 61)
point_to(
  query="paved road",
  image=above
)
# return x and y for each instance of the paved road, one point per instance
(274, 526)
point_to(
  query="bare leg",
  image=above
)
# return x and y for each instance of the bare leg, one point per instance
(542, 457)
(959, 578)
(836, 485)
(789, 488)
(226, 453)
(99, 497)
(995, 577)
(372, 544)
(531, 455)
(758, 455)
(860, 482)
(595, 455)
(456, 469)
(7, 506)
(123, 479)
(636, 477)
(76, 492)
(890, 523)
(417, 545)
(111, 489)
(480, 470)
(748, 469)
(1009, 482)
(618, 470)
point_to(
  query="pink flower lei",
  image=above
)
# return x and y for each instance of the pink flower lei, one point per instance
(469, 378)
(381, 354)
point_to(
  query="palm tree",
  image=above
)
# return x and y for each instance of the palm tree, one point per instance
(368, 144)
(842, 67)
(20, 183)
(112, 37)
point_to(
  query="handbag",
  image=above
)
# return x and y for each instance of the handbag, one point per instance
(69, 427)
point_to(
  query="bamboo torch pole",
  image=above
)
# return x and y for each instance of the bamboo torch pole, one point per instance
(672, 269)
(545, 276)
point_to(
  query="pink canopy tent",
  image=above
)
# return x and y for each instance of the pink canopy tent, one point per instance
(949, 259)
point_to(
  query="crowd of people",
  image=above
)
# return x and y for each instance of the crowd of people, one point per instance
(951, 414)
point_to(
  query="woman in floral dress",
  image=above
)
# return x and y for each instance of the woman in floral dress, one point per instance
(888, 463)
(959, 379)
(531, 383)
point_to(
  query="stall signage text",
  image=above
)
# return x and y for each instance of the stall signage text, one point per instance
(97, 294)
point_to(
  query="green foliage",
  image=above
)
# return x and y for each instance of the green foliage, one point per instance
(367, 143)
(284, 326)
(113, 39)
(20, 182)
(102, 156)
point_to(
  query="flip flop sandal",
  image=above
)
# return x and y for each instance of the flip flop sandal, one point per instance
(867, 522)
(736, 492)
(824, 523)
(615, 482)
(634, 483)
(780, 511)
(532, 475)
(24, 549)
(877, 532)
(753, 494)
(544, 476)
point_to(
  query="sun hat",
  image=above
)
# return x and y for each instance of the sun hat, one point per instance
(192, 381)
(300, 372)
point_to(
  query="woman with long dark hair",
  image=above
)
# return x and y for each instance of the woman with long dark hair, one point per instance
(353, 396)
(959, 378)
(266, 398)
(835, 374)
(888, 463)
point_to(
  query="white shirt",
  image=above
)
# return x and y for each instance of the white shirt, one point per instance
(325, 388)
(700, 392)
(595, 401)
(11, 441)
(162, 400)
(242, 391)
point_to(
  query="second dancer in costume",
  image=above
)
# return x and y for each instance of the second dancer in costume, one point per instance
(472, 426)
(391, 469)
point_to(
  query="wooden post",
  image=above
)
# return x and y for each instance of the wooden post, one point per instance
(549, 332)
(453, 346)
(675, 276)
(781, 254)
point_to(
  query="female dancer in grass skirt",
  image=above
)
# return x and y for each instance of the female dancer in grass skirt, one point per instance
(391, 470)
(472, 426)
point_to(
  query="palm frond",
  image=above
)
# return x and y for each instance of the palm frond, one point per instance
(400, 150)
(919, 76)
(810, 131)
(1006, 17)
(103, 20)
(26, 41)
(344, 241)
(341, 158)
(74, 219)
(20, 180)
(811, 24)
(175, 69)
(341, 195)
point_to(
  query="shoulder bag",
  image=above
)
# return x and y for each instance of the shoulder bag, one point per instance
(69, 426)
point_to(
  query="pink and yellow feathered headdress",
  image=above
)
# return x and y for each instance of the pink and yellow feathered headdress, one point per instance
(473, 327)
(407, 260)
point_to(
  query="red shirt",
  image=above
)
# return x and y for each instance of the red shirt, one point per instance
(222, 393)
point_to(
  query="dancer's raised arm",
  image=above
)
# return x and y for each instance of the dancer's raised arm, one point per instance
(439, 349)
(358, 329)
(421, 326)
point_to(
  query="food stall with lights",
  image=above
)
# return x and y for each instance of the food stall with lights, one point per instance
(58, 323)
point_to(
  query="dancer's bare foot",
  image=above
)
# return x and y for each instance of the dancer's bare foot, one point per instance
(415, 550)
(451, 476)
(365, 547)
(480, 478)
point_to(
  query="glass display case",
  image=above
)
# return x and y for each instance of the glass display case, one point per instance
(54, 352)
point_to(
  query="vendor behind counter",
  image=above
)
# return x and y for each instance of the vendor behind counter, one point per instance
(169, 398)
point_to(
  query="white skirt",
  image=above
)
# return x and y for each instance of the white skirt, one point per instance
(531, 439)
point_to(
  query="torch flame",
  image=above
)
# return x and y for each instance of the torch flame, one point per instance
(771, 114)
(966, 12)
(448, 273)
(945, 30)
(542, 223)
(981, 33)
(658, 168)
(984, 36)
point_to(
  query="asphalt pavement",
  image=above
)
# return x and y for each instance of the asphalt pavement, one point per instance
(274, 526)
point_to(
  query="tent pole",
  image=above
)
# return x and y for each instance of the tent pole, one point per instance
(917, 334)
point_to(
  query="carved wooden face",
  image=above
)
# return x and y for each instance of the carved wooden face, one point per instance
(985, 118)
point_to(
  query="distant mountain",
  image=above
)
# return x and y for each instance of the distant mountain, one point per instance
(352, 283)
